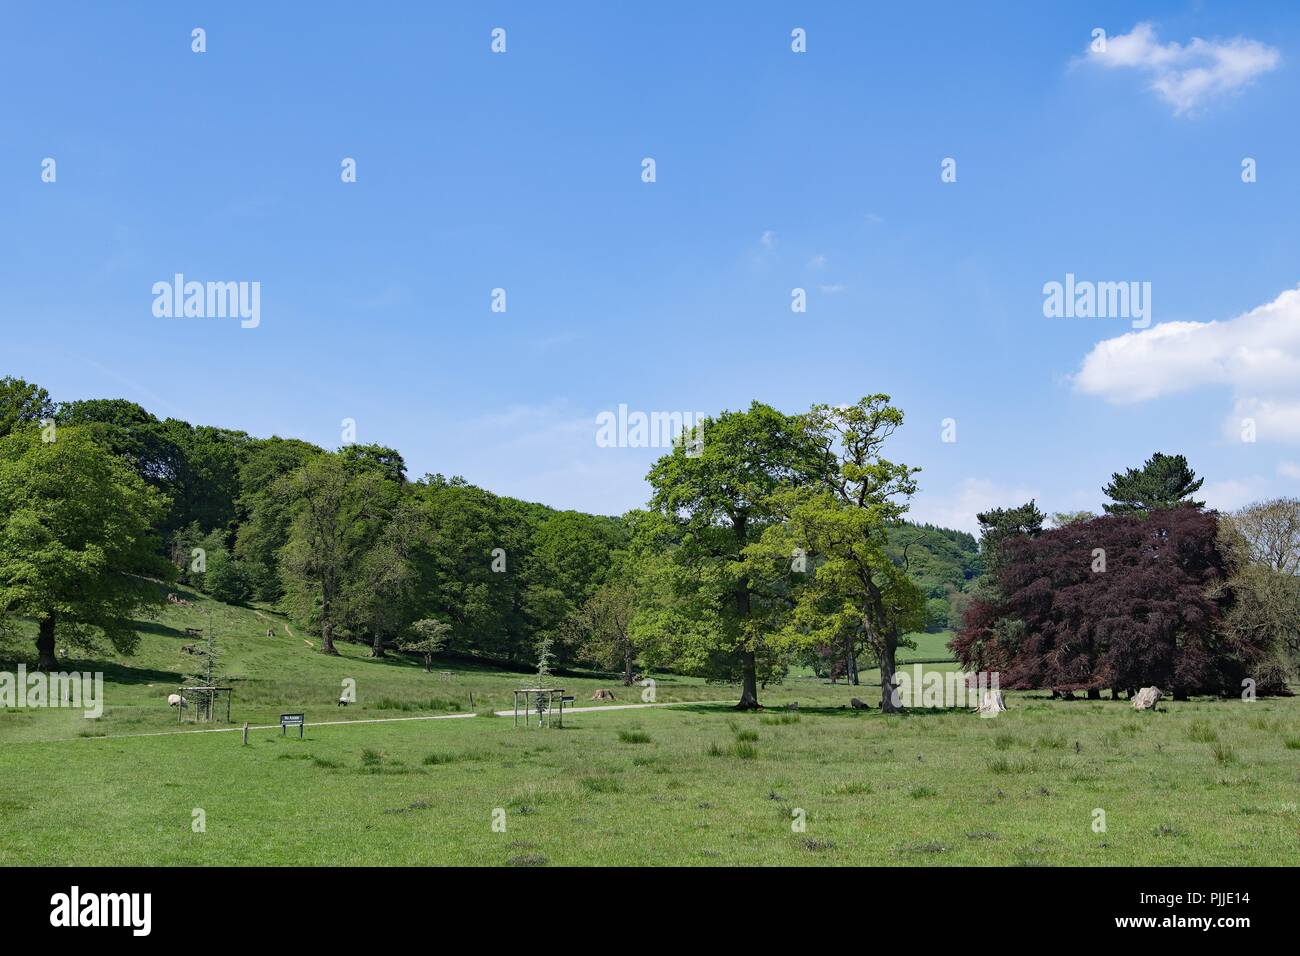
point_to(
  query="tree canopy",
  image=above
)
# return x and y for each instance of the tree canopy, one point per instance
(1163, 481)
(77, 540)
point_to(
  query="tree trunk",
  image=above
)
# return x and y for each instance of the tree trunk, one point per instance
(1094, 693)
(748, 661)
(627, 665)
(45, 660)
(327, 638)
(1114, 693)
(749, 690)
(1181, 694)
(377, 648)
(853, 668)
(887, 671)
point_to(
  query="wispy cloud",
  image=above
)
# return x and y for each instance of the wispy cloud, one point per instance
(1187, 76)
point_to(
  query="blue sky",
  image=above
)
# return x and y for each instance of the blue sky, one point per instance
(775, 170)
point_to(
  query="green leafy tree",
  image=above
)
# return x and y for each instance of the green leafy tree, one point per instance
(850, 583)
(1163, 481)
(601, 628)
(77, 541)
(1263, 545)
(225, 578)
(388, 462)
(337, 512)
(570, 556)
(716, 503)
(474, 554)
(1269, 534)
(1061, 519)
(22, 404)
(999, 524)
(383, 598)
(428, 637)
(263, 515)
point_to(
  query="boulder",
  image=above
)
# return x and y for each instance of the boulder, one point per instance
(603, 694)
(176, 700)
(1147, 698)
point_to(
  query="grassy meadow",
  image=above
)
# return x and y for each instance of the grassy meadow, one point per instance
(1201, 782)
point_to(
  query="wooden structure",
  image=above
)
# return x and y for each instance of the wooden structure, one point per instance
(532, 701)
(204, 702)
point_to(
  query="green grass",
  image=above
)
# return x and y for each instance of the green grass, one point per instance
(1199, 783)
(925, 788)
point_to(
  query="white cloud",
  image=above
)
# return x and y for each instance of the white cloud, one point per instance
(1187, 76)
(1232, 493)
(1274, 419)
(1256, 356)
(768, 239)
(1288, 469)
(817, 262)
(958, 510)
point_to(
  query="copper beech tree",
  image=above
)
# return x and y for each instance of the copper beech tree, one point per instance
(1121, 601)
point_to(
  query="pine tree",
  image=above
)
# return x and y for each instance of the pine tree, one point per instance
(1163, 481)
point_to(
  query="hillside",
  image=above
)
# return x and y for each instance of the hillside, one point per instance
(287, 673)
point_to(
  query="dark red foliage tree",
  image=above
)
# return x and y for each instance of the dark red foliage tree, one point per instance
(1121, 601)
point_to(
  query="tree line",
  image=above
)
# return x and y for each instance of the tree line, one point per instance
(770, 540)
(1156, 590)
(99, 498)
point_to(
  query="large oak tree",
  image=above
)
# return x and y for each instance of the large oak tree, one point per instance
(77, 541)
(718, 493)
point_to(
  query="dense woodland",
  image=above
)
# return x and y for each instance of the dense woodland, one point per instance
(777, 540)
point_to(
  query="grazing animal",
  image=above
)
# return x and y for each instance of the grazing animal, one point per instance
(992, 704)
(859, 705)
(189, 649)
(603, 694)
(1148, 698)
(343, 701)
(176, 700)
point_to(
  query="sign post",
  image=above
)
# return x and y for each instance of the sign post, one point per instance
(293, 720)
